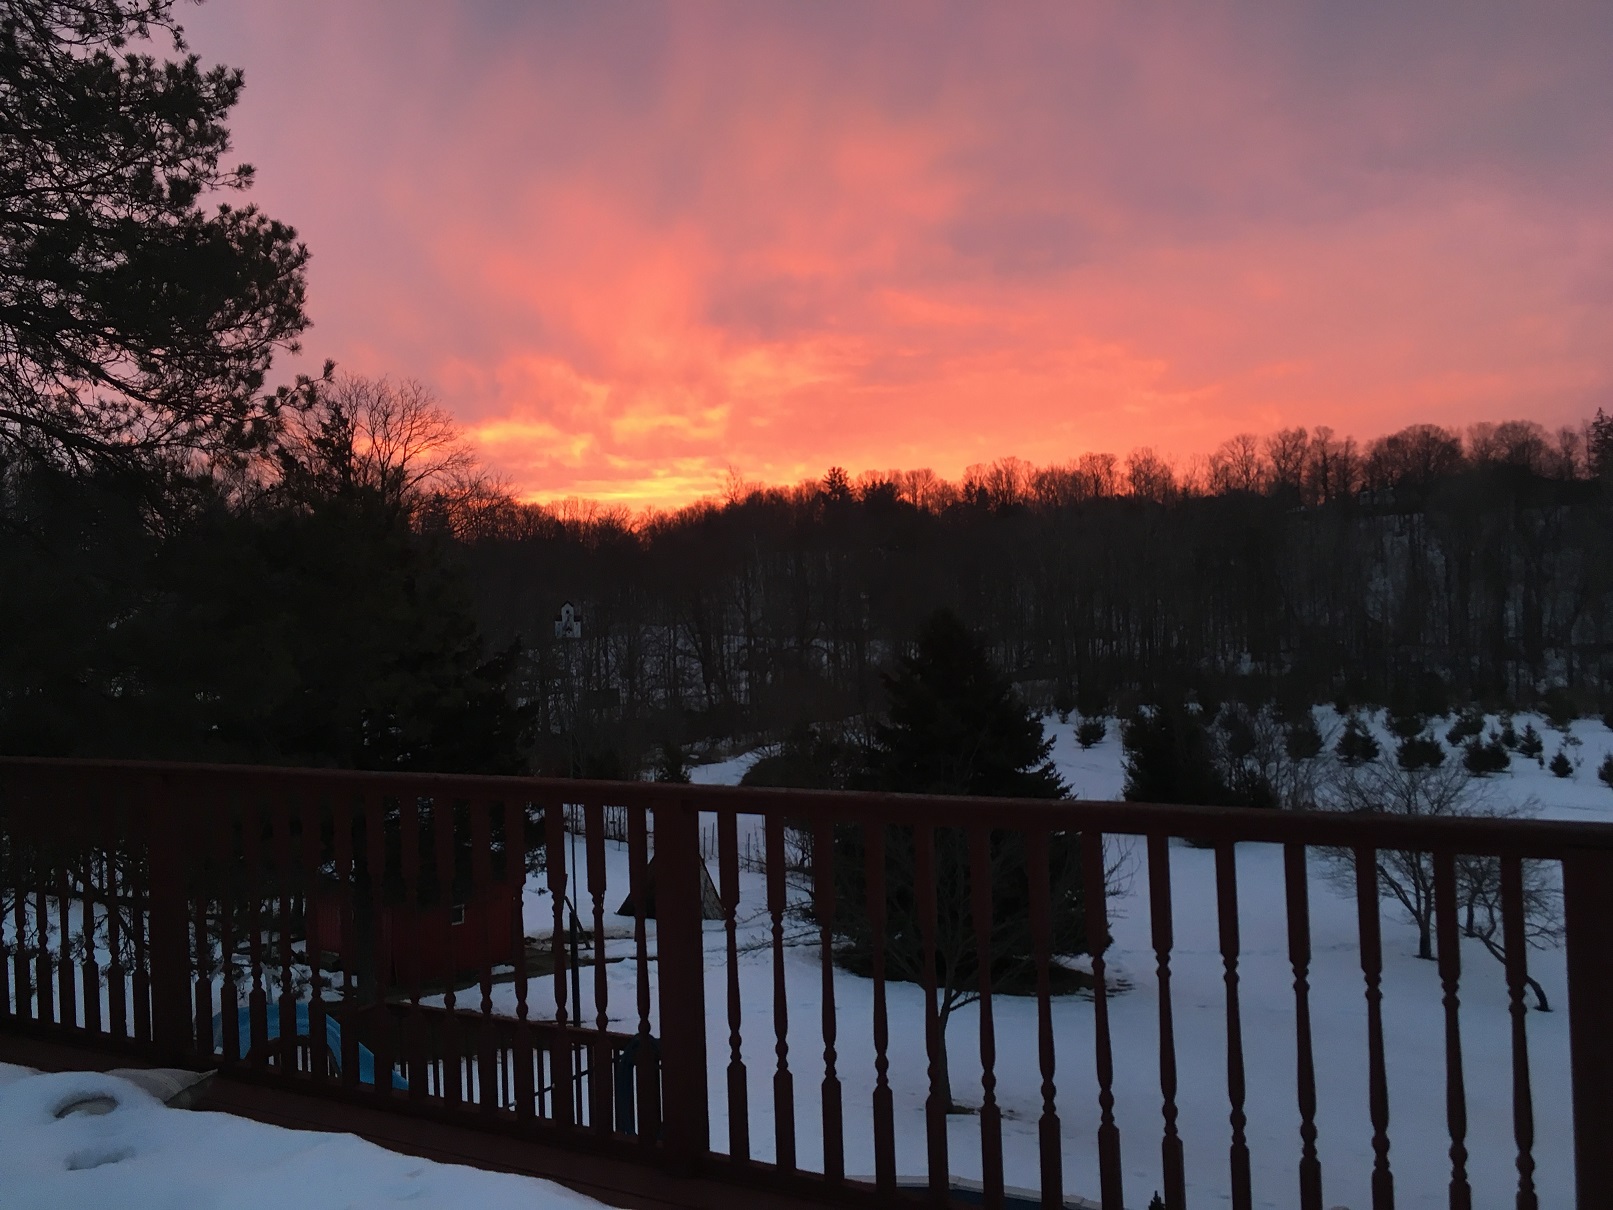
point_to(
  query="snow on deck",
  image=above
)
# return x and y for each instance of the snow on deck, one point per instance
(144, 1156)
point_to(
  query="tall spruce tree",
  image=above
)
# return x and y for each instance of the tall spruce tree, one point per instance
(956, 727)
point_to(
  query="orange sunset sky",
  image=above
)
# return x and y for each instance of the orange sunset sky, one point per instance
(632, 246)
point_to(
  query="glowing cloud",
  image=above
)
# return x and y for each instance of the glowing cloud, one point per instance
(633, 247)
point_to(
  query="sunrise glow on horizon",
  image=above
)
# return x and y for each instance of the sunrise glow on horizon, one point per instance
(638, 248)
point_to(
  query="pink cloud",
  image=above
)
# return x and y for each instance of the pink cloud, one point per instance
(632, 247)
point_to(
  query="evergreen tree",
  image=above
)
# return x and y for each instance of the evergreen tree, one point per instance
(1171, 757)
(672, 763)
(1561, 766)
(1304, 739)
(1356, 745)
(1091, 732)
(955, 726)
(137, 323)
(1420, 752)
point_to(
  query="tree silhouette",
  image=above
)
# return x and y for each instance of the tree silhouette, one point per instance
(136, 323)
(956, 727)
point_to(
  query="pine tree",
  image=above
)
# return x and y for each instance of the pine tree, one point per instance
(955, 726)
(1356, 745)
(137, 323)
(1171, 758)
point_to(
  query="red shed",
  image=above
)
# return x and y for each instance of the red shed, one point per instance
(427, 942)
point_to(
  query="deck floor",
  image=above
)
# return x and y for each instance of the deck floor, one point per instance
(606, 1179)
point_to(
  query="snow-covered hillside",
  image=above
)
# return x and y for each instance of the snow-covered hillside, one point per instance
(1412, 1015)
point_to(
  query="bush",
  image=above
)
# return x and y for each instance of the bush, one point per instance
(1469, 723)
(805, 761)
(1064, 702)
(1406, 724)
(1607, 720)
(1530, 744)
(672, 763)
(1420, 752)
(1508, 736)
(1605, 769)
(1561, 766)
(1304, 740)
(1357, 745)
(1560, 709)
(1482, 757)
(1091, 731)
(1171, 758)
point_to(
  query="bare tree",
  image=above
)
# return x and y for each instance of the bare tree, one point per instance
(1481, 887)
(1407, 876)
(1382, 787)
(392, 439)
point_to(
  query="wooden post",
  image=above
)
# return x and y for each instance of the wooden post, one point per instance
(169, 950)
(1588, 928)
(681, 961)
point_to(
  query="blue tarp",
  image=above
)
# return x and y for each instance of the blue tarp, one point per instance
(333, 1039)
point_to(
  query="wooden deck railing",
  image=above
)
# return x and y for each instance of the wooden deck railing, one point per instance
(465, 936)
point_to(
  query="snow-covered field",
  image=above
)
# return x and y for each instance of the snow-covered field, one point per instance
(1412, 1008)
(144, 1156)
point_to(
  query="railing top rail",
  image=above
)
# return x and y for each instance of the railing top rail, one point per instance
(1537, 838)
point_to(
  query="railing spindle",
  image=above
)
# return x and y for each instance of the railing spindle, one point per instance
(380, 955)
(522, 1083)
(42, 962)
(342, 837)
(229, 1005)
(823, 901)
(1516, 940)
(554, 818)
(1038, 877)
(1450, 972)
(783, 1083)
(66, 982)
(599, 1061)
(1366, 898)
(991, 1121)
(90, 969)
(884, 1105)
(482, 896)
(936, 1106)
(446, 857)
(281, 817)
(646, 1070)
(1161, 926)
(728, 876)
(117, 991)
(313, 844)
(202, 953)
(23, 977)
(1226, 888)
(415, 1044)
(257, 999)
(1110, 1178)
(1299, 959)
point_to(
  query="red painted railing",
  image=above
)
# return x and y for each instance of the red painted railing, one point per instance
(424, 935)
